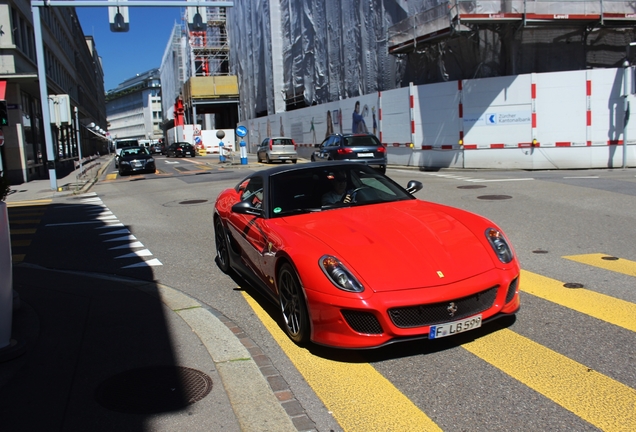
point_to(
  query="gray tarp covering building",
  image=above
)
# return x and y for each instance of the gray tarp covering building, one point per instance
(290, 53)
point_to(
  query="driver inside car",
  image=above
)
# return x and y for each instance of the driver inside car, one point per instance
(338, 192)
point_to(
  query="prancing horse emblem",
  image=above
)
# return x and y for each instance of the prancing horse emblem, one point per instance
(452, 308)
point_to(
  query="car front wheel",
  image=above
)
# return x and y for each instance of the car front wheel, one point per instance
(292, 305)
(222, 251)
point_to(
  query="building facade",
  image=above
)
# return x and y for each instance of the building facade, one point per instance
(195, 74)
(73, 72)
(133, 108)
(291, 54)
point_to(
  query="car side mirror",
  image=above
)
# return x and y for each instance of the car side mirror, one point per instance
(414, 186)
(245, 207)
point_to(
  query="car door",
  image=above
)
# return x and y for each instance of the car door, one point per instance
(323, 151)
(249, 230)
(262, 148)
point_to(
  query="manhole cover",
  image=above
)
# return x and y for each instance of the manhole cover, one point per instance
(494, 197)
(540, 251)
(194, 201)
(610, 258)
(153, 389)
(471, 187)
(573, 285)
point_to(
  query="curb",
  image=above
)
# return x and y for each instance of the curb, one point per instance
(259, 395)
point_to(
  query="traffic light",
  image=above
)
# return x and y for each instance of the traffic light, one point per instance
(4, 114)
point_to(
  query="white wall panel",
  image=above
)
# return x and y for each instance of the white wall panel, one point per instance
(561, 107)
(438, 123)
(497, 110)
(607, 106)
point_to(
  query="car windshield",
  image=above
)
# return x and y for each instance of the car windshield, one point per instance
(282, 141)
(325, 188)
(134, 151)
(362, 141)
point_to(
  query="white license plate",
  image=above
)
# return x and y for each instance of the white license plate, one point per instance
(283, 157)
(450, 329)
(365, 154)
(136, 164)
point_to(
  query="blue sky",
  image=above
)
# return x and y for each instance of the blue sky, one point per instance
(124, 55)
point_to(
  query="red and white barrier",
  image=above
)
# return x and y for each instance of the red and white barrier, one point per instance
(556, 120)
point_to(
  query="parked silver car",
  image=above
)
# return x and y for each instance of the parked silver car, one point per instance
(277, 148)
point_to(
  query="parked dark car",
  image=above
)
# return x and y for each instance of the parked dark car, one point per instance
(365, 148)
(136, 159)
(181, 149)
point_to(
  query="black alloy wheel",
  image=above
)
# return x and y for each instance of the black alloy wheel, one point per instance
(292, 305)
(222, 252)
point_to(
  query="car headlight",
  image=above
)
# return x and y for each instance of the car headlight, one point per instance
(499, 245)
(339, 275)
(124, 162)
(150, 160)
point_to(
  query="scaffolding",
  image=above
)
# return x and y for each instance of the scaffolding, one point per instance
(456, 16)
(208, 48)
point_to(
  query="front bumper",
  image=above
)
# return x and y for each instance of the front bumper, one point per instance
(348, 322)
(133, 167)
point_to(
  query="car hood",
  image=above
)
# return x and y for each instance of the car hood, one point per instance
(406, 244)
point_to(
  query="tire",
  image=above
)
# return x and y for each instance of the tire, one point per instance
(292, 305)
(293, 160)
(222, 251)
(313, 158)
(267, 159)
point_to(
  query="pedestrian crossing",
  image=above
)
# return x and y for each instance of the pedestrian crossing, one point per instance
(603, 401)
(25, 218)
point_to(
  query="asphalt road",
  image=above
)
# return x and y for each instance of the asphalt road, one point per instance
(568, 361)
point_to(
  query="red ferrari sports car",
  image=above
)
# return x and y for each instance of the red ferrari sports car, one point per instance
(356, 261)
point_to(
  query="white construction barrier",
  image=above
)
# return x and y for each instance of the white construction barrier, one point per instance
(557, 120)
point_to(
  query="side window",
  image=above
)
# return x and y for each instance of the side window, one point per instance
(253, 192)
(264, 143)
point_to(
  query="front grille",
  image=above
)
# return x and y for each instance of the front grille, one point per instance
(429, 314)
(362, 322)
(512, 289)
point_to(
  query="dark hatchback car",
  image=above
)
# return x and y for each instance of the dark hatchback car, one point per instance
(365, 148)
(136, 159)
(181, 149)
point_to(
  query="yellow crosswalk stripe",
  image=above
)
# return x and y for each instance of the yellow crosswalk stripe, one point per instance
(363, 400)
(17, 258)
(620, 265)
(20, 243)
(23, 221)
(596, 398)
(29, 203)
(23, 231)
(609, 309)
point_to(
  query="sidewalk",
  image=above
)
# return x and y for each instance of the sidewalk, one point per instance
(113, 353)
